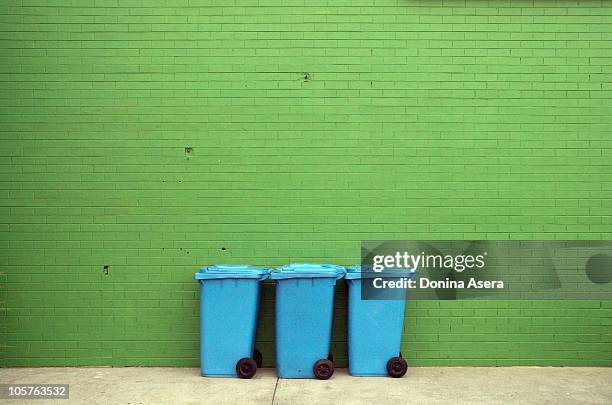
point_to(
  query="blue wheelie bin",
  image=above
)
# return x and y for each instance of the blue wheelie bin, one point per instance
(375, 327)
(229, 303)
(304, 311)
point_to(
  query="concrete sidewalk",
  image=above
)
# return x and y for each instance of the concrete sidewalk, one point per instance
(427, 385)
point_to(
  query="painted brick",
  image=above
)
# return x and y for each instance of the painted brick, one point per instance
(313, 126)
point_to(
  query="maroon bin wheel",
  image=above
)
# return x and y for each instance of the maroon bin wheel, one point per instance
(246, 367)
(397, 367)
(323, 369)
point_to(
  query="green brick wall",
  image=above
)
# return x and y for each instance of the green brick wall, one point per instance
(314, 124)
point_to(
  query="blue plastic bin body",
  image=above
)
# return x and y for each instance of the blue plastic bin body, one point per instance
(374, 328)
(229, 303)
(304, 312)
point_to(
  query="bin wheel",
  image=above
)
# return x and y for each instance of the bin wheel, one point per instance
(258, 358)
(396, 367)
(323, 369)
(246, 367)
(330, 357)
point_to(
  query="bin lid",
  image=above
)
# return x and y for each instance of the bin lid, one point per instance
(232, 271)
(358, 271)
(308, 270)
